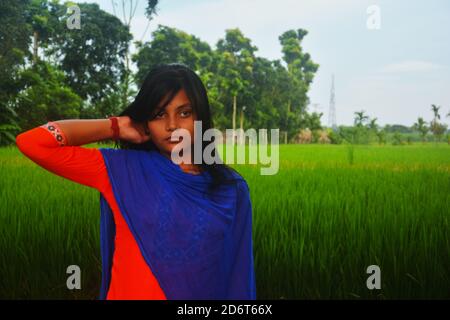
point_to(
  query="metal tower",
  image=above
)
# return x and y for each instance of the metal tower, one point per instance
(332, 111)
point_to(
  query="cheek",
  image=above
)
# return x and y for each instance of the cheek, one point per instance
(189, 125)
(155, 128)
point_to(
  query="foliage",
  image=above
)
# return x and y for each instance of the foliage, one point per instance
(45, 96)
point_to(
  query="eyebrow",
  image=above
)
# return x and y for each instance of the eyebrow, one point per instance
(188, 104)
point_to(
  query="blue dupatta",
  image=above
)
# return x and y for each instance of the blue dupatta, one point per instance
(198, 246)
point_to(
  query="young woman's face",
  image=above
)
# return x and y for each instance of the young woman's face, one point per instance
(177, 114)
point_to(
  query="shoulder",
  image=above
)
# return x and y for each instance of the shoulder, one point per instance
(243, 198)
(242, 187)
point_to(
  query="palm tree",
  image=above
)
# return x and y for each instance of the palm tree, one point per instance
(435, 110)
(421, 126)
(360, 118)
(373, 127)
(381, 135)
(437, 128)
(373, 124)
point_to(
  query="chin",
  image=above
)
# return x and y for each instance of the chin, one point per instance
(167, 149)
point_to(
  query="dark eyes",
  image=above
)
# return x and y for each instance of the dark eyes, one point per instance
(185, 114)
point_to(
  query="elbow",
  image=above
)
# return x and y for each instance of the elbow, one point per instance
(36, 145)
(27, 144)
(21, 142)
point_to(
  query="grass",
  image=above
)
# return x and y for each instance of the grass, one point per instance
(328, 214)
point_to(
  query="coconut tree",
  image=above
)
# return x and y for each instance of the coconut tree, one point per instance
(360, 118)
(381, 136)
(373, 124)
(435, 110)
(422, 127)
(360, 132)
(436, 127)
(373, 127)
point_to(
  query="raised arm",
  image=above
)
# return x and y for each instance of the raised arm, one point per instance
(79, 132)
(55, 147)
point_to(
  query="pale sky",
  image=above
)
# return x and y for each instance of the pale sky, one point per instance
(394, 73)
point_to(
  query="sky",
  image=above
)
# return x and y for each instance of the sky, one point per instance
(393, 62)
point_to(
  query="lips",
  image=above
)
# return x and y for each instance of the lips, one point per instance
(179, 139)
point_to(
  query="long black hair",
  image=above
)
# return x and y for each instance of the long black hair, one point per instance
(161, 84)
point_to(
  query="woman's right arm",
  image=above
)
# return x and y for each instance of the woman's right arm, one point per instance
(80, 132)
(55, 146)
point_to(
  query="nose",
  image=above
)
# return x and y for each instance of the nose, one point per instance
(171, 124)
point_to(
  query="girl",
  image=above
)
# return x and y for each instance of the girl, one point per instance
(167, 231)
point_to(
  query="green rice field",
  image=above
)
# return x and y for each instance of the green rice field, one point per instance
(329, 213)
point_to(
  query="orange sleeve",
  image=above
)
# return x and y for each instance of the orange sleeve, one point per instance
(46, 146)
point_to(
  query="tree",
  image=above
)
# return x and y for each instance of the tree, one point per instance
(236, 57)
(128, 79)
(268, 93)
(373, 127)
(8, 125)
(301, 70)
(92, 57)
(313, 121)
(360, 132)
(381, 136)
(422, 127)
(314, 124)
(436, 127)
(397, 139)
(14, 42)
(234, 77)
(171, 45)
(45, 96)
(360, 118)
(348, 134)
(43, 18)
(435, 110)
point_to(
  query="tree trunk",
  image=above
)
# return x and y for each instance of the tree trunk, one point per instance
(126, 80)
(287, 120)
(35, 46)
(234, 112)
(242, 126)
(242, 119)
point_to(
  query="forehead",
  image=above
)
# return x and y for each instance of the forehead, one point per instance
(179, 99)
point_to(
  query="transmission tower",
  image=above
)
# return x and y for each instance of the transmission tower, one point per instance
(332, 111)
